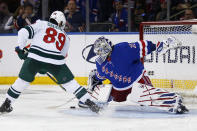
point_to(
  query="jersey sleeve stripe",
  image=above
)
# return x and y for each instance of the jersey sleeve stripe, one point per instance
(30, 30)
(140, 48)
(146, 47)
(143, 48)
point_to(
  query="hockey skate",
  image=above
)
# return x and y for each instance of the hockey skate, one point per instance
(82, 105)
(6, 107)
(93, 107)
(181, 109)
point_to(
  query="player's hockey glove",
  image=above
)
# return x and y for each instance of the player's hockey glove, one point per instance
(22, 54)
(169, 43)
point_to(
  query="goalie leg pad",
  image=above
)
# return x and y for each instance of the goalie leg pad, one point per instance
(155, 97)
(100, 95)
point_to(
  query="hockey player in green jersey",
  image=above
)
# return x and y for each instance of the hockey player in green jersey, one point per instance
(47, 52)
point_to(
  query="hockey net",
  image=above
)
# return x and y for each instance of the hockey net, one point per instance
(177, 69)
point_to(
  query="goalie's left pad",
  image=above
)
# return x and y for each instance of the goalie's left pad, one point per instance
(165, 45)
(156, 97)
(93, 87)
(100, 95)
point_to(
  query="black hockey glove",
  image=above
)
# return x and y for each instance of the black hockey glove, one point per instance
(22, 54)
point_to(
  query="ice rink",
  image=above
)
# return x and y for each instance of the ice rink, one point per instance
(36, 110)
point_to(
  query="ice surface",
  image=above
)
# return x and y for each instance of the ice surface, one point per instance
(34, 111)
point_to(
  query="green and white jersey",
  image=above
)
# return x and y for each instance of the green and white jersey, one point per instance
(49, 42)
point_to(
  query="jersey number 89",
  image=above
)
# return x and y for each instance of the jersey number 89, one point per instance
(50, 38)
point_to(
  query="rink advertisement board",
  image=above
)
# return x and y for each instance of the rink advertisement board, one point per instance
(176, 64)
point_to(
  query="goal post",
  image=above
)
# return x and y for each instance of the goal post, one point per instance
(177, 68)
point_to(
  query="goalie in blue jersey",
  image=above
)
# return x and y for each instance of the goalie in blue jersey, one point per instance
(122, 65)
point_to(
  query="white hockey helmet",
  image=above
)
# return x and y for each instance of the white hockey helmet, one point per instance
(102, 46)
(59, 17)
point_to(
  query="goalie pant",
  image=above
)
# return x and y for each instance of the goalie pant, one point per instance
(143, 93)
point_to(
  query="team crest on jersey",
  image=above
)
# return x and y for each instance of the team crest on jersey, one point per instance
(120, 78)
(116, 76)
(111, 73)
(124, 79)
(106, 71)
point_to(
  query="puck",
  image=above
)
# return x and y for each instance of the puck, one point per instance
(72, 107)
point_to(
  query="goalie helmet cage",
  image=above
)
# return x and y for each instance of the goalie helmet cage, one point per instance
(177, 68)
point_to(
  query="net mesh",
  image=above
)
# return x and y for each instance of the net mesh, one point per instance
(166, 29)
(177, 69)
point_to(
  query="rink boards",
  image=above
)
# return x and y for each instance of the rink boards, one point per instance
(176, 69)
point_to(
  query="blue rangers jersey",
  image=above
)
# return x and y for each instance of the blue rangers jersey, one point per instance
(124, 66)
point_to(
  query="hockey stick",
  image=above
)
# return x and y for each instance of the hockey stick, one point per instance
(57, 106)
(54, 80)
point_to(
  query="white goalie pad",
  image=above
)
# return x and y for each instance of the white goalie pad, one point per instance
(102, 93)
(154, 97)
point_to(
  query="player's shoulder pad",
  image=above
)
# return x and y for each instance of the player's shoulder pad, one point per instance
(38, 22)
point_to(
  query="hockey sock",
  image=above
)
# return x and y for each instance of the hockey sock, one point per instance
(79, 91)
(15, 90)
(82, 94)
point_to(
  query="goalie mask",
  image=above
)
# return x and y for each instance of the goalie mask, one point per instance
(59, 18)
(103, 48)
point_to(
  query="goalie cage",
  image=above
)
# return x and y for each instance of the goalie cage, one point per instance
(177, 69)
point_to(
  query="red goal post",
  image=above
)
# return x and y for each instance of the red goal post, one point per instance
(178, 67)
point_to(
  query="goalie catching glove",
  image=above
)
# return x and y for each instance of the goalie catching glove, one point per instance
(170, 43)
(92, 81)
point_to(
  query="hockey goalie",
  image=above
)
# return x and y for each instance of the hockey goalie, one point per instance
(122, 65)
